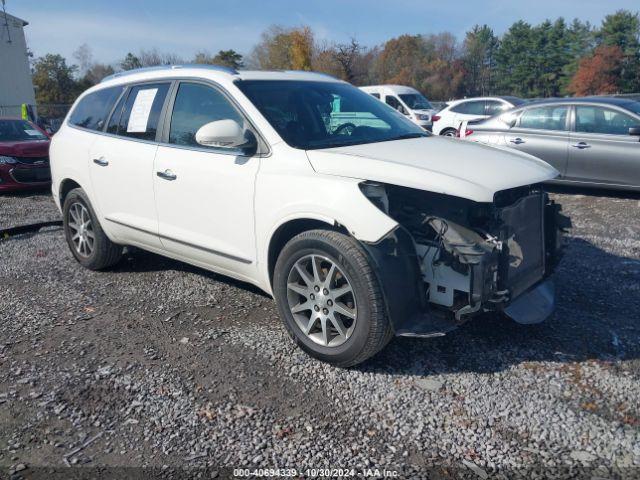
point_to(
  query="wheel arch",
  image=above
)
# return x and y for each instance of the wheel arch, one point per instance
(289, 229)
(66, 186)
(444, 131)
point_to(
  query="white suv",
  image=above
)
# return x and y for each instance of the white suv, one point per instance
(448, 120)
(357, 221)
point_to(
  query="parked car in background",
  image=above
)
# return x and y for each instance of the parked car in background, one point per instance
(406, 100)
(359, 233)
(438, 106)
(593, 141)
(24, 155)
(447, 121)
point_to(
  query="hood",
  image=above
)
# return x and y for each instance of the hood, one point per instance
(437, 164)
(27, 148)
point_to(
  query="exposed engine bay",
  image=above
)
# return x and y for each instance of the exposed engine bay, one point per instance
(475, 257)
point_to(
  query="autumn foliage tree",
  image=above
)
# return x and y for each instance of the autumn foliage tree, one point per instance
(598, 73)
(284, 49)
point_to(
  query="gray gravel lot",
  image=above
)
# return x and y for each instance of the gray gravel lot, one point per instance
(159, 364)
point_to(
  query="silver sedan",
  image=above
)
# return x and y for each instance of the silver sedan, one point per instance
(593, 141)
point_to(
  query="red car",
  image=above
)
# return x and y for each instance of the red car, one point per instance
(24, 155)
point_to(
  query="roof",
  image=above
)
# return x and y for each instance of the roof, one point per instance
(13, 17)
(215, 71)
(603, 100)
(395, 88)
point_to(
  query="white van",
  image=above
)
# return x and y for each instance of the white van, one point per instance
(406, 100)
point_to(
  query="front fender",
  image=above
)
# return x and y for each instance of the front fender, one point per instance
(331, 200)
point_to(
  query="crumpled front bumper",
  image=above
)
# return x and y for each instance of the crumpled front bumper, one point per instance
(515, 279)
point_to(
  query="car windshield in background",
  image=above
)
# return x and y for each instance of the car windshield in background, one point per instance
(312, 115)
(415, 101)
(19, 131)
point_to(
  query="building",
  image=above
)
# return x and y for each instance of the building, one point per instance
(16, 86)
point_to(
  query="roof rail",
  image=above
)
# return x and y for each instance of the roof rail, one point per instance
(219, 68)
(322, 74)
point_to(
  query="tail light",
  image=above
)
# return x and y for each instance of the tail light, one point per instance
(435, 118)
(467, 132)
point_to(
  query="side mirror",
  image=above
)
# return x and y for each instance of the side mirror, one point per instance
(635, 131)
(226, 134)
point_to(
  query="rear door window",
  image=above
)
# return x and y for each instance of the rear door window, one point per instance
(469, 108)
(553, 117)
(603, 120)
(92, 111)
(141, 113)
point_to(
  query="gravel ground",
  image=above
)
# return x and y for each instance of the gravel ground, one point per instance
(161, 365)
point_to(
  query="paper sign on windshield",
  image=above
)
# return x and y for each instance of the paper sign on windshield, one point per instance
(141, 110)
(33, 133)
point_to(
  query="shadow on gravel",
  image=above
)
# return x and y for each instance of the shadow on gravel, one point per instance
(598, 297)
(598, 300)
(30, 192)
(138, 261)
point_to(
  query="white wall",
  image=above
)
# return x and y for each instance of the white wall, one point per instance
(15, 77)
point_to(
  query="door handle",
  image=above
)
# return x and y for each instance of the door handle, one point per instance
(581, 145)
(517, 141)
(103, 162)
(167, 175)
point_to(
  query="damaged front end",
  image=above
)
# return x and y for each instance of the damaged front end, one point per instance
(451, 258)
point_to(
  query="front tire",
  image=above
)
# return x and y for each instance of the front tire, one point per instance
(85, 237)
(329, 298)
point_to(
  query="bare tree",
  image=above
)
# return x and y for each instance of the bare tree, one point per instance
(347, 55)
(152, 58)
(84, 57)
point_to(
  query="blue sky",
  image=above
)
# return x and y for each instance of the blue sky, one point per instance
(112, 28)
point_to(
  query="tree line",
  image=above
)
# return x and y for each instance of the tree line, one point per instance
(553, 58)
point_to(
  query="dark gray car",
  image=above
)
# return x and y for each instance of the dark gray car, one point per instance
(591, 141)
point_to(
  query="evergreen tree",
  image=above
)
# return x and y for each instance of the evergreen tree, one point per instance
(480, 45)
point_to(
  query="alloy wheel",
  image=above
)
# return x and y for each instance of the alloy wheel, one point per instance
(82, 234)
(321, 300)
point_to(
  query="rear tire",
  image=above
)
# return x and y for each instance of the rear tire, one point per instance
(85, 237)
(449, 132)
(335, 311)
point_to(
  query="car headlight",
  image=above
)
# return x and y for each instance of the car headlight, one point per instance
(7, 160)
(422, 117)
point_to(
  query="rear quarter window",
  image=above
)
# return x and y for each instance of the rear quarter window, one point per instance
(93, 109)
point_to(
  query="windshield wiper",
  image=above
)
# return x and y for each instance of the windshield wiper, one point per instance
(409, 135)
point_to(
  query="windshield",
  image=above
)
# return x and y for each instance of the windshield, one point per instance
(415, 101)
(311, 115)
(19, 131)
